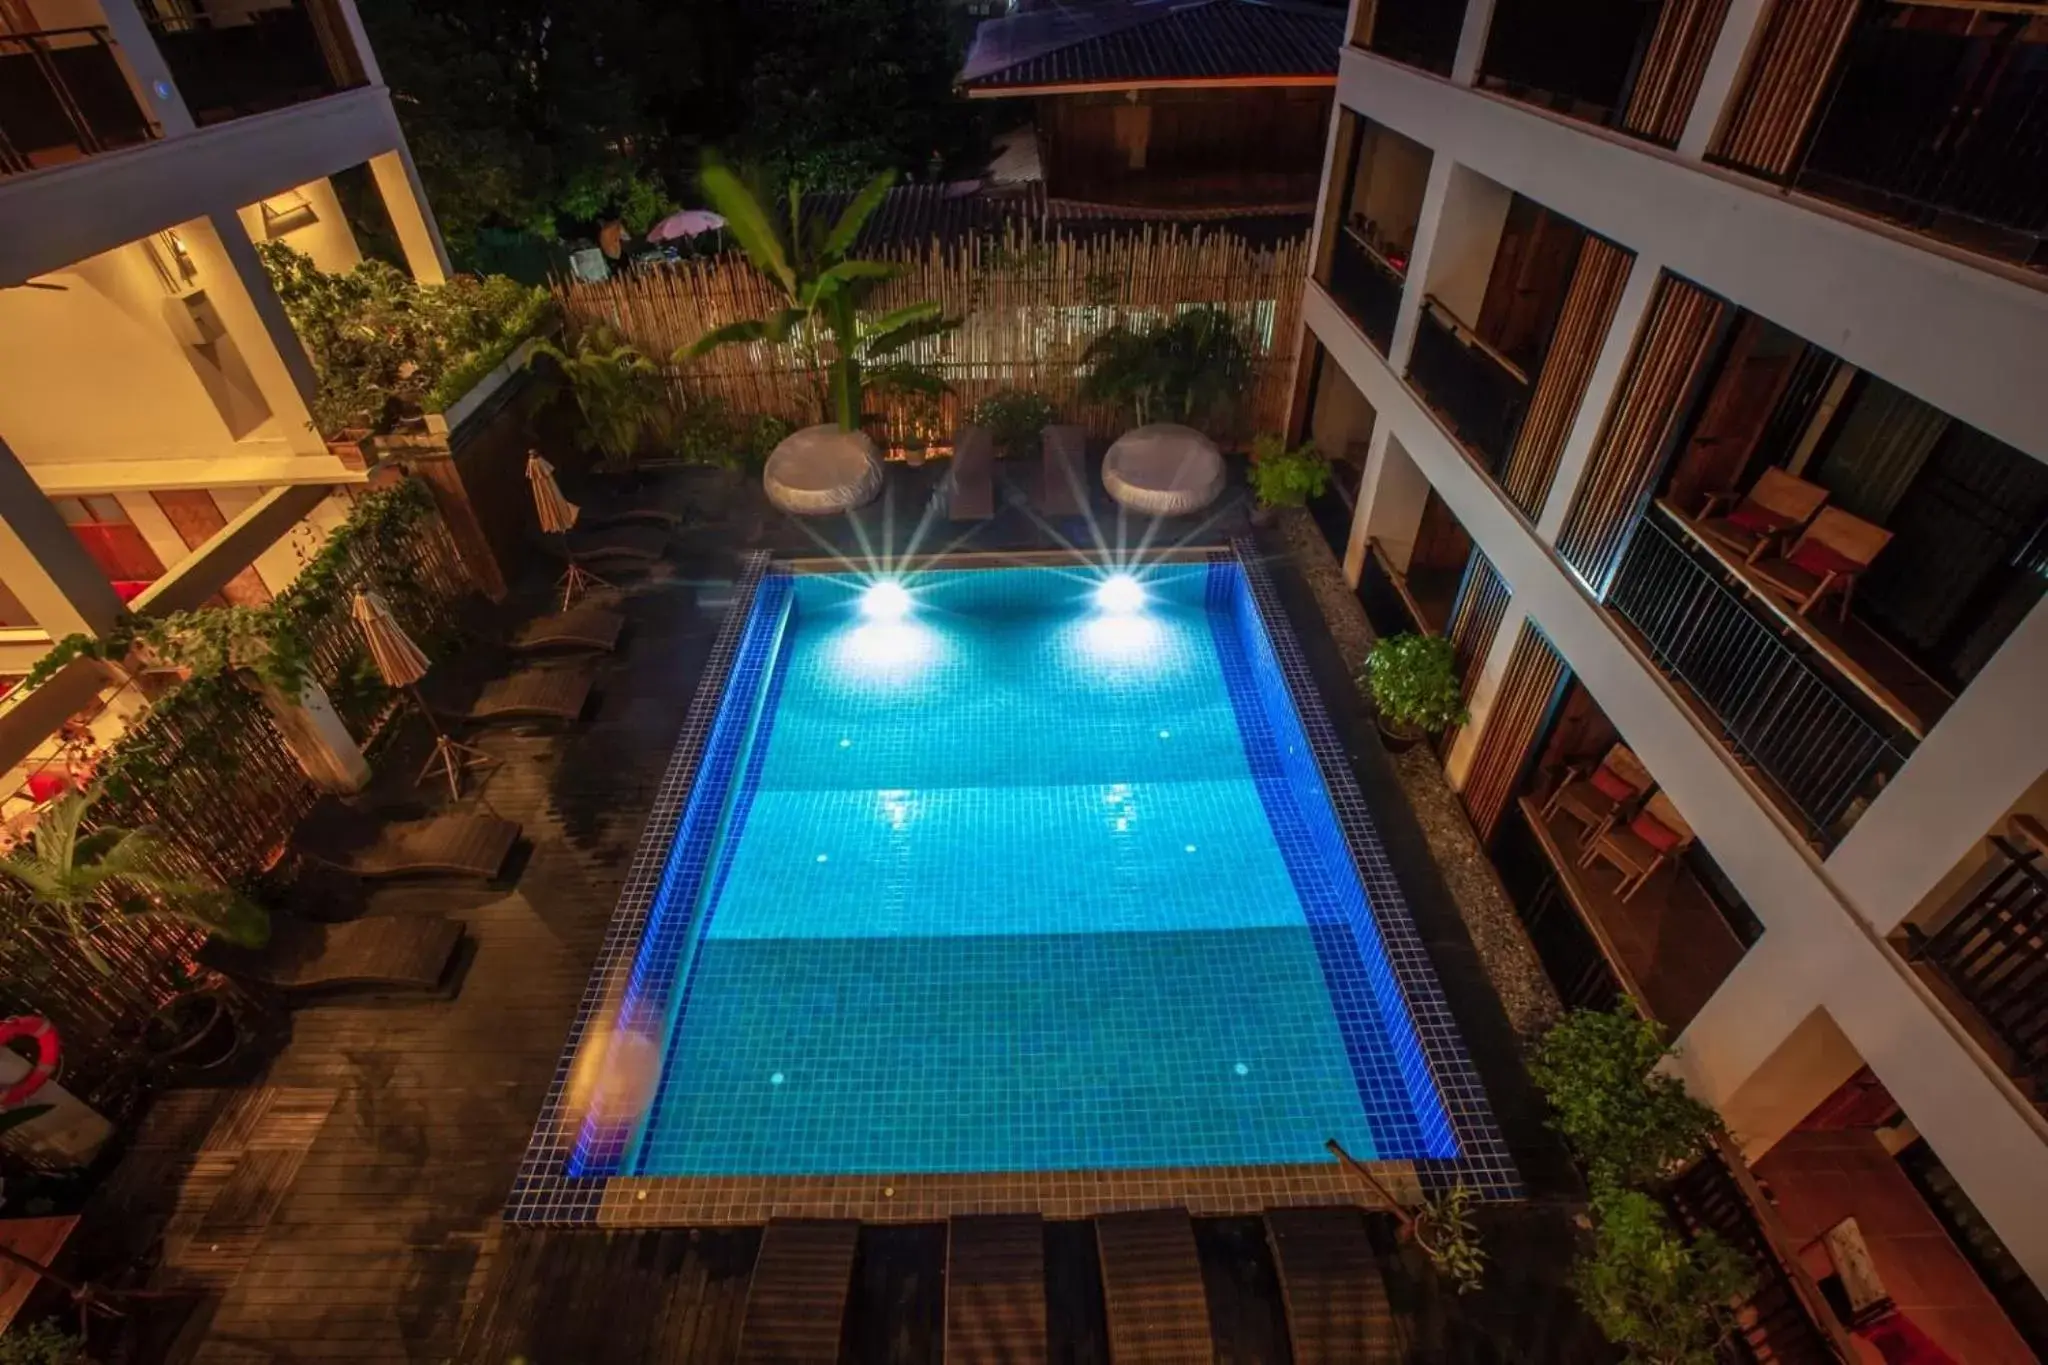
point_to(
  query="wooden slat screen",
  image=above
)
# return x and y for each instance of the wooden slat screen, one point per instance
(1512, 725)
(1669, 79)
(1476, 615)
(1788, 74)
(1588, 312)
(1625, 459)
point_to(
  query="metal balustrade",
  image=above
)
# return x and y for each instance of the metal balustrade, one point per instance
(1472, 387)
(63, 95)
(1994, 953)
(1775, 709)
(1366, 287)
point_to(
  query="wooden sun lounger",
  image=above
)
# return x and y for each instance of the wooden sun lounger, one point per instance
(379, 954)
(970, 484)
(584, 626)
(1152, 1287)
(530, 694)
(995, 1289)
(796, 1300)
(638, 544)
(1337, 1309)
(605, 518)
(447, 845)
(1063, 477)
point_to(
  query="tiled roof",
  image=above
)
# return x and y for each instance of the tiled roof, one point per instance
(1107, 42)
(919, 213)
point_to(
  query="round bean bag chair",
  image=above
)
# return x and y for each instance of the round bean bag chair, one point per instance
(1163, 470)
(821, 470)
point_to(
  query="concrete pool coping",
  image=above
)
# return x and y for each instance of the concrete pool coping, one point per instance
(544, 1194)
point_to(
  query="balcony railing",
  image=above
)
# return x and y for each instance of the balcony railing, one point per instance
(1994, 953)
(1420, 33)
(1578, 57)
(1786, 1318)
(63, 95)
(274, 57)
(1478, 391)
(1367, 287)
(1774, 708)
(1941, 130)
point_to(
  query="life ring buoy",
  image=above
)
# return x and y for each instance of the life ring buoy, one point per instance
(44, 1034)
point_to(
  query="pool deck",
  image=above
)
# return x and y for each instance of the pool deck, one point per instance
(384, 1243)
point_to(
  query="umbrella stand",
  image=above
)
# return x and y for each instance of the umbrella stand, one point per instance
(578, 580)
(451, 756)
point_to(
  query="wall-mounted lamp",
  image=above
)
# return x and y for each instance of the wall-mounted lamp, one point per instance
(287, 213)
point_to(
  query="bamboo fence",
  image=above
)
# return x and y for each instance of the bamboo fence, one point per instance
(1029, 304)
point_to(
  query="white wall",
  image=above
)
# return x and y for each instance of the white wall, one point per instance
(328, 239)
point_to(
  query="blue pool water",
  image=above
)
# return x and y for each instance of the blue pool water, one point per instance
(1013, 883)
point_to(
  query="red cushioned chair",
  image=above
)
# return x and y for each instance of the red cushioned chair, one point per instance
(1776, 506)
(1825, 561)
(1652, 837)
(1594, 797)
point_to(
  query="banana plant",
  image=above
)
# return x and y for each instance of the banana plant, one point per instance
(75, 879)
(824, 287)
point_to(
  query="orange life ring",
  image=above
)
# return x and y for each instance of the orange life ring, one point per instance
(35, 1027)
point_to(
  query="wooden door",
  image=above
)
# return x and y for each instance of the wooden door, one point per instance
(196, 517)
(1752, 380)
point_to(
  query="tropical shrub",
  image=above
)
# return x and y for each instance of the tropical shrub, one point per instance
(77, 879)
(1014, 418)
(40, 1343)
(825, 287)
(1188, 368)
(1629, 1123)
(1669, 1301)
(387, 347)
(1444, 1230)
(618, 392)
(707, 431)
(1414, 682)
(1281, 477)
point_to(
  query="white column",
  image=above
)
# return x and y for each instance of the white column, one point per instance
(419, 237)
(145, 62)
(156, 529)
(1977, 761)
(1458, 762)
(43, 564)
(359, 39)
(1602, 387)
(1762, 1051)
(1456, 236)
(1391, 499)
(1723, 74)
(236, 285)
(1471, 40)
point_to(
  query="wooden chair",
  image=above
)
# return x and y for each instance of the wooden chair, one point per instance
(1827, 558)
(1595, 796)
(1775, 506)
(1655, 835)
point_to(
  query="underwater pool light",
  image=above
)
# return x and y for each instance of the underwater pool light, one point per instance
(1120, 594)
(887, 600)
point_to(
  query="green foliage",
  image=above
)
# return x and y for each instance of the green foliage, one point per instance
(618, 391)
(1444, 1231)
(825, 288)
(77, 879)
(709, 432)
(1014, 418)
(1287, 478)
(1629, 1123)
(40, 1343)
(387, 347)
(1668, 1301)
(1187, 369)
(1414, 681)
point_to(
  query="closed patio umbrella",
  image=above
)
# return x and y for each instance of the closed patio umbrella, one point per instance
(557, 514)
(401, 664)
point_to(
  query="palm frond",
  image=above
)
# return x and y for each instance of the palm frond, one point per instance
(855, 216)
(888, 342)
(746, 220)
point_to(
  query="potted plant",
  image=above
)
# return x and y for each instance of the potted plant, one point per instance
(1413, 680)
(1670, 1301)
(1014, 418)
(1627, 1122)
(40, 1343)
(1440, 1225)
(195, 1030)
(1283, 477)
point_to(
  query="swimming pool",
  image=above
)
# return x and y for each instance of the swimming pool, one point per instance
(1000, 870)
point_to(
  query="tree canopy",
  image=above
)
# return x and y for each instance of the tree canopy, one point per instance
(547, 115)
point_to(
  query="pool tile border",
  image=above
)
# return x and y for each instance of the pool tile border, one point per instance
(543, 1193)
(1483, 1162)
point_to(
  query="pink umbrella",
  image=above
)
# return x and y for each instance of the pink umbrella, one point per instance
(688, 223)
